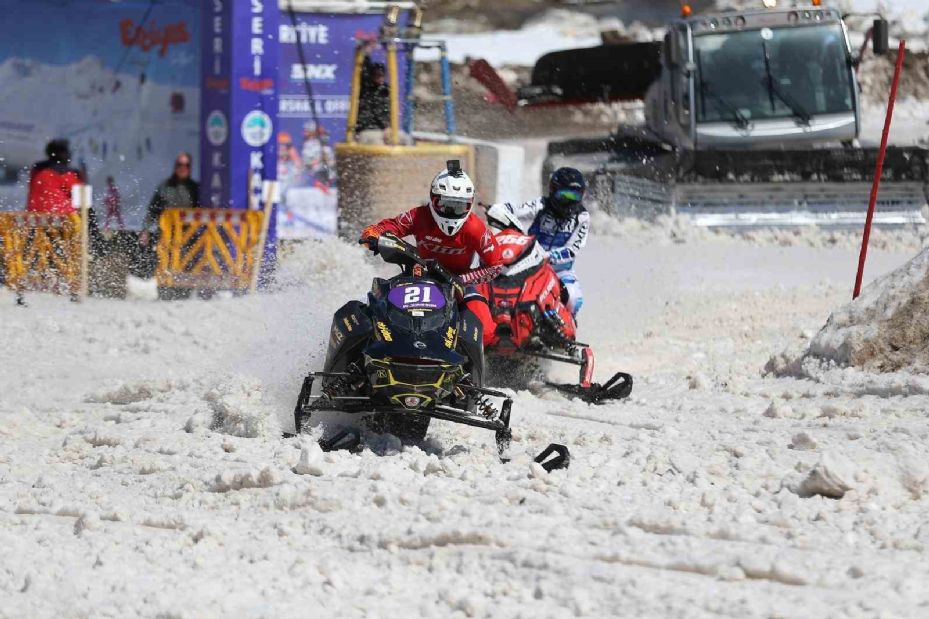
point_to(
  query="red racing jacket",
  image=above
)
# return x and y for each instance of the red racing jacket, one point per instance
(455, 253)
(50, 188)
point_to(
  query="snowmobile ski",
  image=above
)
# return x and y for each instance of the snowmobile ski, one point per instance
(617, 388)
(562, 459)
(348, 439)
(529, 305)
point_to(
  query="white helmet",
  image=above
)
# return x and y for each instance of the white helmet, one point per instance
(451, 197)
(500, 217)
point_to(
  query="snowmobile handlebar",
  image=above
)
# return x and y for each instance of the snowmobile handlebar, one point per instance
(395, 250)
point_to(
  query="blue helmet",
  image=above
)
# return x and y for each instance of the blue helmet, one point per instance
(566, 191)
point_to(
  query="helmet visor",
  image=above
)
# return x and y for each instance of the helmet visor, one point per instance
(569, 196)
(453, 208)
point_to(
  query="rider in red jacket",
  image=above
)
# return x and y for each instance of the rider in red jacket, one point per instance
(446, 232)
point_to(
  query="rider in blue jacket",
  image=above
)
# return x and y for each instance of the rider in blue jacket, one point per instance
(560, 224)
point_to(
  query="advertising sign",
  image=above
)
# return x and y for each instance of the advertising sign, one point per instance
(120, 81)
(306, 164)
(239, 65)
(239, 77)
(216, 67)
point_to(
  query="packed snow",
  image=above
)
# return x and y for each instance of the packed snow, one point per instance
(143, 472)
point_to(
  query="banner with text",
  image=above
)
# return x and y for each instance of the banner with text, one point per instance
(119, 81)
(306, 165)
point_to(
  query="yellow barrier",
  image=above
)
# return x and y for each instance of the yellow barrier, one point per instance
(42, 252)
(208, 248)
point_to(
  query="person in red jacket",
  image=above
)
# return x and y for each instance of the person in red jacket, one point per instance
(51, 180)
(446, 232)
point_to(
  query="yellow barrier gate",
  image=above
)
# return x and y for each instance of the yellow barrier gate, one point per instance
(42, 252)
(208, 248)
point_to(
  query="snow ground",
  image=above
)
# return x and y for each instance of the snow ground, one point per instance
(142, 471)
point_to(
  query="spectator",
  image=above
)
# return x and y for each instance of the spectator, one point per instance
(318, 157)
(113, 204)
(289, 163)
(373, 104)
(50, 181)
(178, 191)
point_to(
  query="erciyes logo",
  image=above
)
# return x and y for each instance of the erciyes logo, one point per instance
(151, 35)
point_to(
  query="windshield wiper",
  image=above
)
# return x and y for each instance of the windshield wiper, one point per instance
(740, 120)
(775, 90)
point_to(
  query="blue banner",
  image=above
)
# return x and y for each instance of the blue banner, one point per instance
(216, 67)
(239, 76)
(120, 81)
(306, 160)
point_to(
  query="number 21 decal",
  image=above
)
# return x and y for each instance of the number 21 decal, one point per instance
(417, 294)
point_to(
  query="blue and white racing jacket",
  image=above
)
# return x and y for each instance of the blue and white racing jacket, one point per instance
(563, 239)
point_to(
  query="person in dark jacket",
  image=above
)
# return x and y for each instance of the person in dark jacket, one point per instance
(51, 180)
(373, 104)
(178, 191)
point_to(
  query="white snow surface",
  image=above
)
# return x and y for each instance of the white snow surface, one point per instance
(142, 472)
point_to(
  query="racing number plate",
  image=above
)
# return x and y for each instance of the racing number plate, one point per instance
(417, 297)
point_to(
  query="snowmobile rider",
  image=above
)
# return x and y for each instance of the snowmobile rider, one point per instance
(446, 232)
(560, 224)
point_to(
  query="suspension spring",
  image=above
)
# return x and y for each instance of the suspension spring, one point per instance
(485, 407)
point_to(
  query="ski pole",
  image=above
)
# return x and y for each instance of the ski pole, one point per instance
(878, 170)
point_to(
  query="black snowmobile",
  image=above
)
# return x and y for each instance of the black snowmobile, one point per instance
(406, 357)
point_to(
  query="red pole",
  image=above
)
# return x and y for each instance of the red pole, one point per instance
(879, 169)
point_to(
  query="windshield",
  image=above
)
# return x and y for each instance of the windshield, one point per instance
(772, 73)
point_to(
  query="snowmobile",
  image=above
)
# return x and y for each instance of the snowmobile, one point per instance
(406, 357)
(529, 305)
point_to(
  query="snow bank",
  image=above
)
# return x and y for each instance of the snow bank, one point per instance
(887, 328)
(875, 76)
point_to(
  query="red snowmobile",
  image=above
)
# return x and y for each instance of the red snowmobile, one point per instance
(529, 305)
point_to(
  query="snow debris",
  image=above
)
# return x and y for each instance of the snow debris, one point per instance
(199, 422)
(87, 521)
(698, 382)
(914, 476)
(129, 393)
(239, 410)
(832, 477)
(227, 480)
(103, 439)
(311, 459)
(778, 410)
(803, 442)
